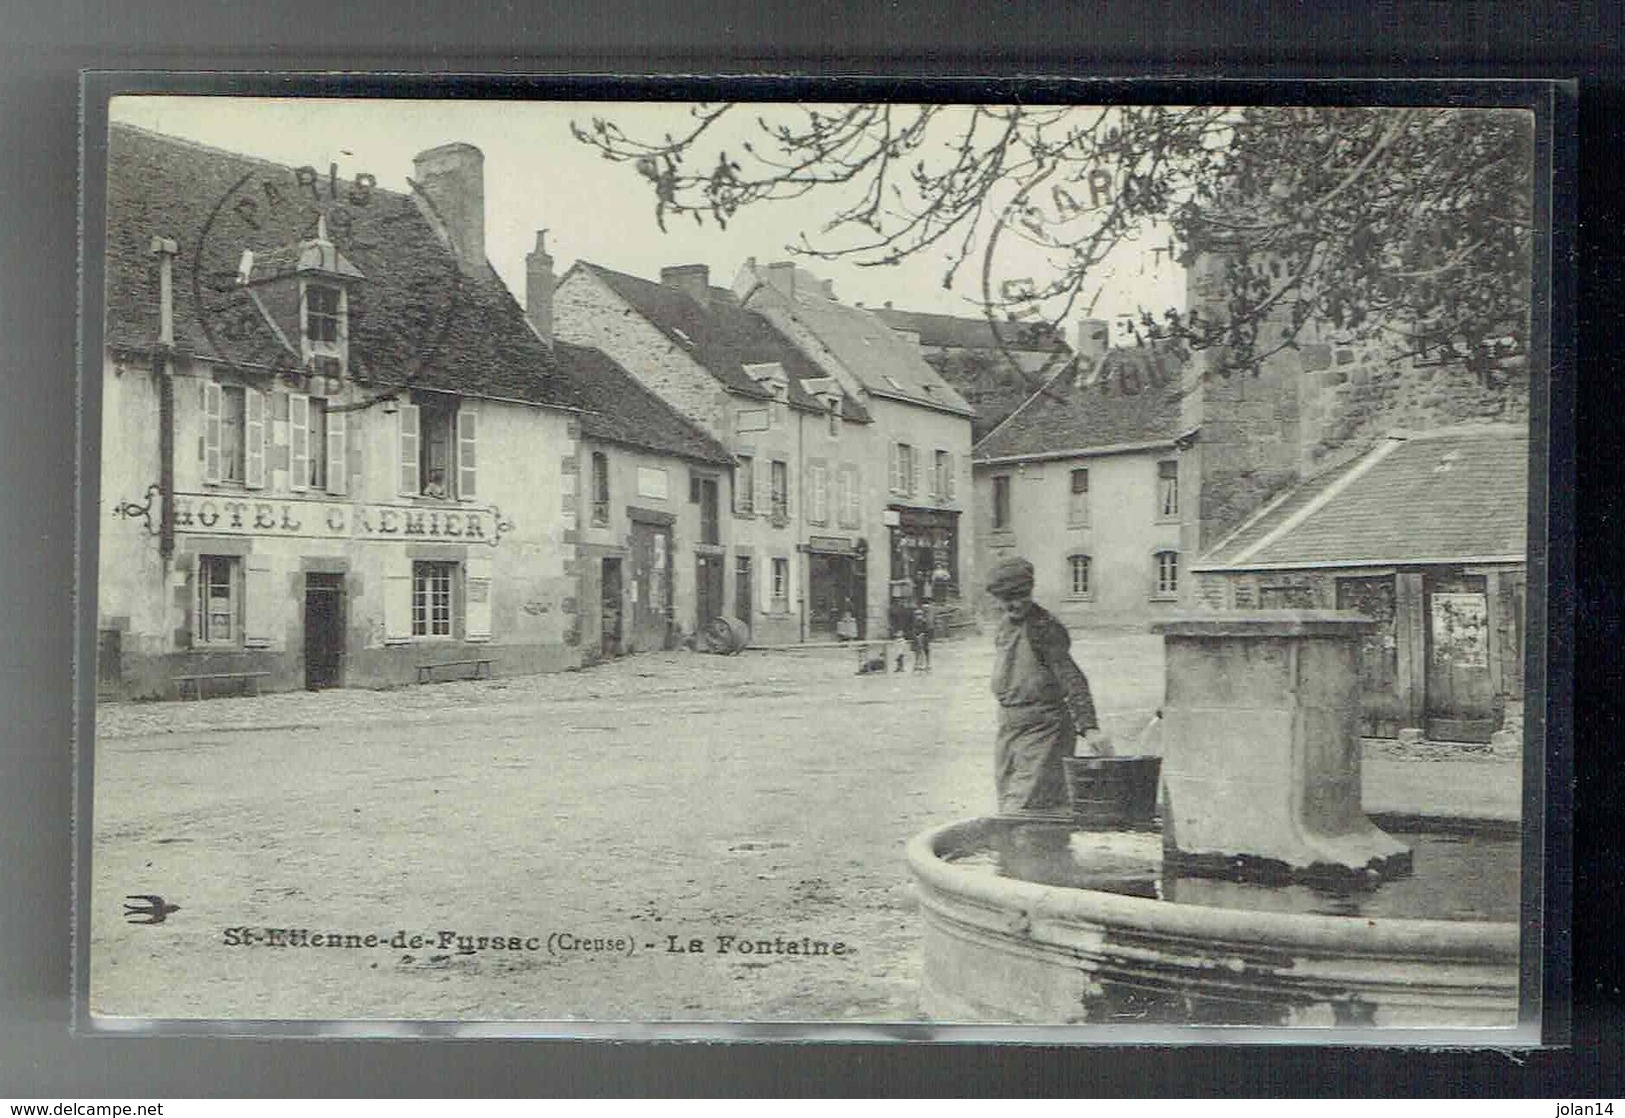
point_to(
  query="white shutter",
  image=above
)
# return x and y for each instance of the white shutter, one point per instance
(789, 494)
(258, 602)
(764, 580)
(467, 429)
(764, 486)
(914, 481)
(896, 468)
(338, 479)
(253, 438)
(408, 442)
(820, 495)
(211, 431)
(397, 599)
(299, 448)
(952, 466)
(477, 599)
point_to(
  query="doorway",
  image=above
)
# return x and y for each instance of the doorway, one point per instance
(837, 591)
(324, 631)
(1460, 692)
(651, 586)
(708, 582)
(609, 608)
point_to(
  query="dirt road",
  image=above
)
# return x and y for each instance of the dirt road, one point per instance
(609, 827)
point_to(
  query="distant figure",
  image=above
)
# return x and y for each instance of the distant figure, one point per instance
(922, 639)
(1044, 699)
(899, 647)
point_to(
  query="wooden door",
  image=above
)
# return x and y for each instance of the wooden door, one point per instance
(1382, 710)
(324, 630)
(708, 583)
(1460, 692)
(651, 586)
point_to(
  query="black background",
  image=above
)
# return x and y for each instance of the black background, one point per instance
(41, 52)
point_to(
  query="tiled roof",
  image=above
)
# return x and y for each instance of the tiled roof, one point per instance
(963, 332)
(883, 361)
(412, 317)
(723, 337)
(1454, 494)
(621, 410)
(1132, 398)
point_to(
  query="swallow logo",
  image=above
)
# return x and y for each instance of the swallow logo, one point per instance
(152, 909)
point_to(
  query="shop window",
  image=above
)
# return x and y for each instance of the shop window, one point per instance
(1168, 489)
(1078, 576)
(218, 599)
(1077, 509)
(1001, 503)
(600, 489)
(1167, 574)
(745, 486)
(431, 598)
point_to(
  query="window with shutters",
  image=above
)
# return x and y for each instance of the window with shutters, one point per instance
(1077, 507)
(779, 483)
(218, 599)
(745, 486)
(710, 527)
(817, 493)
(847, 496)
(439, 449)
(1168, 489)
(435, 448)
(431, 598)
(1078, 585)
(943, 476)
(600, 489)
(321, 313)
(902, 481)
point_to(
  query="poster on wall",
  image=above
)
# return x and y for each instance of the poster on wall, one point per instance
(1461, 630)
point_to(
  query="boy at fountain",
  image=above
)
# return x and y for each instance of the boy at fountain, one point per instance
(1044, 699)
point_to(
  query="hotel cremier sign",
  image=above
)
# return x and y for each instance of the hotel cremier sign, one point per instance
(220, 514)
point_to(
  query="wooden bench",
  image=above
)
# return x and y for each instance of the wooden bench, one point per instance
(476, 668)
(248, 679)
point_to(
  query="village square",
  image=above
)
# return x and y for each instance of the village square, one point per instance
(588, 645)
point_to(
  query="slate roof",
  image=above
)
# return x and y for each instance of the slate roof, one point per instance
(722, 337)
(965, 332)
(1133, 397)
(413, 318)
(886, 363)
(619, 409)
(1449, 495)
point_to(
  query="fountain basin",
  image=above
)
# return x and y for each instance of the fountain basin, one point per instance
(1001, 949)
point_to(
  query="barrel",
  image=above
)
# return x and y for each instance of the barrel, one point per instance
(1113, 793)
(725, 635)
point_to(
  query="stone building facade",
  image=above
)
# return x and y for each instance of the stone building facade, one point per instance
(333, 452)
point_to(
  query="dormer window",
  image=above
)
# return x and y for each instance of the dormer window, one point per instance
(321, 313)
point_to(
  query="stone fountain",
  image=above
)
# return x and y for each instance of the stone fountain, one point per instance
(1269, 897)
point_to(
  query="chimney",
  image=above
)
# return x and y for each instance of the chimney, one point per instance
(539, 283)
(694, 280)
(782, 275)
(1094, 338)
(451, 178)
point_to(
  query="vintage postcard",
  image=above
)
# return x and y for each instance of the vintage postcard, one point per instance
(567, 563)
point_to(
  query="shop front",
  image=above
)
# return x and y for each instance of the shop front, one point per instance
(837, 588)
(924, 559)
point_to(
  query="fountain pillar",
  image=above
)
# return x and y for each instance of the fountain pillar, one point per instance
(1261, 764)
